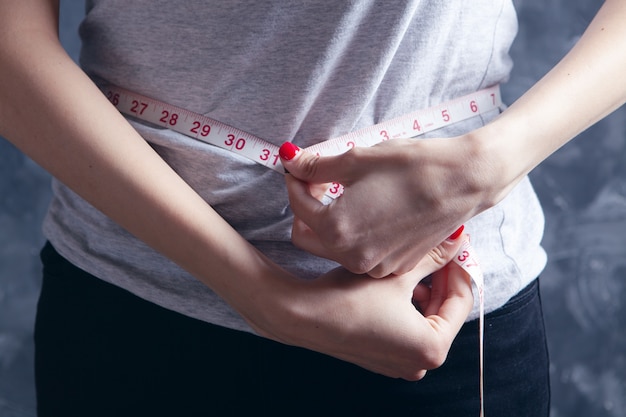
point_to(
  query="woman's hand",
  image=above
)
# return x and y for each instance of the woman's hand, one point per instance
(81, 139)
(374, 323)
(401, 198)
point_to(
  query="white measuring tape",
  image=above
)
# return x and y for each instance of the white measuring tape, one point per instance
(216, 133)
(410, 125)
(466, 258)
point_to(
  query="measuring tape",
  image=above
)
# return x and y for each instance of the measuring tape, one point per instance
(242, 143)
(466, 258)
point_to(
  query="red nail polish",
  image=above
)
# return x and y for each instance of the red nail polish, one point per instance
(457, 234)
(288, 151)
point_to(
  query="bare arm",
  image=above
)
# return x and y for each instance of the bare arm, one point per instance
(53, 112)
(437, 184)
(56, 115)
(587, 85)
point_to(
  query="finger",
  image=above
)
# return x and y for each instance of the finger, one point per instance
(457, 303)
(421, 297)
(401, 260)
(407, 258)
(437, 258)
(306, 208)
(311, 168)
(438, 292)
(303, 203)
(319, 190)
(306, 239)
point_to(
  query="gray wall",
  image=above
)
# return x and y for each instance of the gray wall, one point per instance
(582, 187)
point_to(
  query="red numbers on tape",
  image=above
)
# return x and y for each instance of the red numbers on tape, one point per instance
(138, 107)
(466, 259)
(113, 97)
(196, 126)
(266, 154)
(335, 190)
(239, 144)
(169, 118)
(258, 150)
(200, 129)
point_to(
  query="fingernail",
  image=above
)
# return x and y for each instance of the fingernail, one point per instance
(288, 151)
(457, 234)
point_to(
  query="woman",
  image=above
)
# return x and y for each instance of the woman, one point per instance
(196, 241)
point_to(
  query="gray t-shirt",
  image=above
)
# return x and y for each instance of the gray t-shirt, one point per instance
(288, 70)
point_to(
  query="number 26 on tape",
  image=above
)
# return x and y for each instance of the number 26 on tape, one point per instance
(114, 98)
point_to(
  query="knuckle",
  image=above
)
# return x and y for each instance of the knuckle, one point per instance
(352, 156)
(359, 265)
(339, 239)
(378, 271)
(359, 262)
(350, 162)
(435, 356)
(308, 167)
(414, 375)
(439, 256)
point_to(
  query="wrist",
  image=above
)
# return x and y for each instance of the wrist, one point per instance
(272, 305)
(496, 162)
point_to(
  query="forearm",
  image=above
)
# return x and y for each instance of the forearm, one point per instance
(584, 87)
(371, 323)
(52, 111)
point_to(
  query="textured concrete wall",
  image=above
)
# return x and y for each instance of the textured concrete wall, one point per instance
(583, 191)
(582, 187)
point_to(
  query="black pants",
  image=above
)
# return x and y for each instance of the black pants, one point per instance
(101, 351)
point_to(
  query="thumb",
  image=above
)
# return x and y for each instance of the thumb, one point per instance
(309, 167)
(451, 299)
